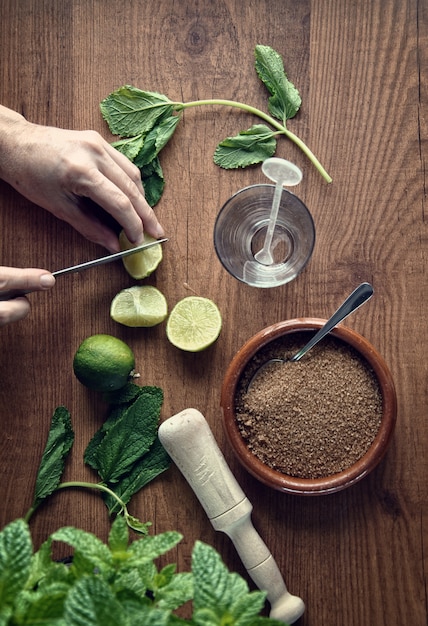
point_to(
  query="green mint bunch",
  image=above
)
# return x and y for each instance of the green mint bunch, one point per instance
(118, 583)
(145, 121)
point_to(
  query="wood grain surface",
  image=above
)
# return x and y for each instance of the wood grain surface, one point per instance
(358, 557)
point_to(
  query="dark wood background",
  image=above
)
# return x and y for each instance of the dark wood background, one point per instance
(357, 557)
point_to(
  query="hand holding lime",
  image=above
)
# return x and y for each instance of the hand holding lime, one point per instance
(141, 264)
(103, 363)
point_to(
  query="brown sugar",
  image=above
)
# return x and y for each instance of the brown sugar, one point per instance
(310, 418)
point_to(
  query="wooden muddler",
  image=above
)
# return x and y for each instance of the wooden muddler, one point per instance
(190, 443)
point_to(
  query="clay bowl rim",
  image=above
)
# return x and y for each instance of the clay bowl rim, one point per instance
(306, 486)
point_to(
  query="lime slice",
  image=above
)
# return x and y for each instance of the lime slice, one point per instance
(141, 264)
(194, 324)
(103, 363)
(141, 305)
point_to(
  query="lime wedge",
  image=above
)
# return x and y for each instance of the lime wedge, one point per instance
(194, 324)
(141, 305)
(141, 264)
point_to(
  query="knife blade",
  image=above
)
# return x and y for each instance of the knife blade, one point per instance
(15, 293)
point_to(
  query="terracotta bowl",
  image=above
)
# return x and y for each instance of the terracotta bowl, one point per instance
(309, 486)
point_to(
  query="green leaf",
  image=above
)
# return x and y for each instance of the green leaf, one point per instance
(15, 559)
(41, 562)
(90, 553)
(130, 147)
(144, 470)
(124, 395)
(176, 592)
(221, 596)
(59, 442)
(285, 100)
(153, 181)
(44, 607)
(151, 547)
(156, 139)
(120, 401)
(249, 147)
(129, 111)
(92, 603)
(118, 538)
(131, 436)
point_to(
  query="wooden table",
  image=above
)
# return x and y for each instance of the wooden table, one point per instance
(357, 557)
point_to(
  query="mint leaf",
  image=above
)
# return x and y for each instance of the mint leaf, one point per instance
(285, 100)
(90, 553)
(92, 603)
(129, 111)
(15, 558)
(59, 442)
(156, 139)
(130, 147)
(43, 606)
(153, 181)
(249, 147)
(147, 549)
(153, 463)
(118, 538)
(176, 592)
(131, 436)
(124, 395)
(221, 595)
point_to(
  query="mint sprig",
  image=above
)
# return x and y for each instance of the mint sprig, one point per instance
(145, 121)
(118, 583)
(125, 451)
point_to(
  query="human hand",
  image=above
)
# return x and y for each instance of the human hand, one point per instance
(58, 169)
(30, 279)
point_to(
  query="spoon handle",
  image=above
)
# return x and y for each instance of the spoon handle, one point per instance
(360, 295)
(264, 256)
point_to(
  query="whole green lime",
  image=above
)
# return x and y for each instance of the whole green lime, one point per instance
(103, 363)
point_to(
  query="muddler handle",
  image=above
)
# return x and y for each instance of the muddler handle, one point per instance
(190, 443)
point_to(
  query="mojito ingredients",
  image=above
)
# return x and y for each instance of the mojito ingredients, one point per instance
(103, 363)
(118, 583)
(139, 306)
(141, 264)
(145, 121)
(125, 451)
(310, 418)
(194, 324)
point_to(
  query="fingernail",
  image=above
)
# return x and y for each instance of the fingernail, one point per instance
(47, 281)
(159, 231)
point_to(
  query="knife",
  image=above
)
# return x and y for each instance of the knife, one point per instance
(15, 293)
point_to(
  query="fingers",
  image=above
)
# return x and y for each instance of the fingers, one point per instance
(120, 192)
(30, 279)
(13, 310)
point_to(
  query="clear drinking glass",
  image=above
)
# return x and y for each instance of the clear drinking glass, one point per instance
(240, 231)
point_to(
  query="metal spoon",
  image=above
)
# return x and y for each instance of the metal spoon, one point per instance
(360, 295)
(282, 172)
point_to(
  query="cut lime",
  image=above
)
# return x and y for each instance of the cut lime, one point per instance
(103, 363)
(194, 324)
(141, 264)
(139, 306)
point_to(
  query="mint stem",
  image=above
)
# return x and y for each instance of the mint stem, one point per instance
(85, 485)
(179, 106)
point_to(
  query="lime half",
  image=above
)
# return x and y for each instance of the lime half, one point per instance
(141, 264)
(103, 363)
(141, 305)
(194, 324)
